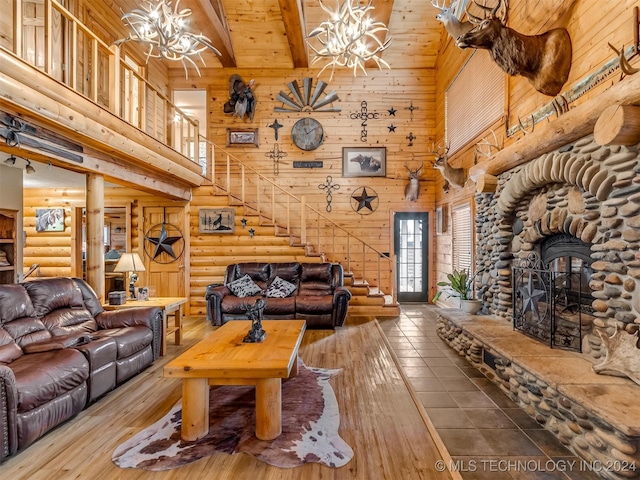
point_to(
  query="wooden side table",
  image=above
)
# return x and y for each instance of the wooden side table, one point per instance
(170, 306)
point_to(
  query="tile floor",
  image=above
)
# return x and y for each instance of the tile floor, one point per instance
(487, 435)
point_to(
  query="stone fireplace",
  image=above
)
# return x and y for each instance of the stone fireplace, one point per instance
(572, 214)
(583, 198)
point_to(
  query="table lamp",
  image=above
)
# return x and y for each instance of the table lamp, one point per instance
(130, 262)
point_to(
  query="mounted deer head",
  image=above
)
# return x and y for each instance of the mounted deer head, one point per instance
(545, 59)
(454, 176)
(412, 188)
(448, 17)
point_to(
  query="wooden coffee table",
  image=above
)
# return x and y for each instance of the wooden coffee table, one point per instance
(222, 358)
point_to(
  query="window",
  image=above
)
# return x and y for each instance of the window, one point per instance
(462, 238)
(474, 100)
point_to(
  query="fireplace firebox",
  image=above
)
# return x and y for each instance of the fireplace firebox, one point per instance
(552, 301)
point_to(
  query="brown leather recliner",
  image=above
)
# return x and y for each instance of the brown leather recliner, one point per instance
(60, 351)
(320, 296)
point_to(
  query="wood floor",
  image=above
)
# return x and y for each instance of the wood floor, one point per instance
(379, 420)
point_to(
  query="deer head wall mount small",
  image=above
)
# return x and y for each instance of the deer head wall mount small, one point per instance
(456, 177)
(412, 189)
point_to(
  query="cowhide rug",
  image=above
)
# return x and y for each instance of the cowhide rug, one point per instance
(310, 421)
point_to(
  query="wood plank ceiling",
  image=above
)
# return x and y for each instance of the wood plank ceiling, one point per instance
(271, 33)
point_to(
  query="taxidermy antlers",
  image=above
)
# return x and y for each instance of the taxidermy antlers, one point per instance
(454, 176)
(412, 189)
(545, 59)
(485, 148)
(447, 16)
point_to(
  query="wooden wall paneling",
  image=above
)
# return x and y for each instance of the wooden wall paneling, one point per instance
(381, 90)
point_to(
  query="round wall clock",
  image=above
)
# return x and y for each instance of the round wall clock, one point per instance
(307, 134)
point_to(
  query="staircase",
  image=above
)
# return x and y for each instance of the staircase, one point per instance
(291, 230)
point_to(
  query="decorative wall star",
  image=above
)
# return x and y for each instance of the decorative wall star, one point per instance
(392, 112)
(392, 128)
(163, 242)
(363, 200)
(252, 232)
(243, 222)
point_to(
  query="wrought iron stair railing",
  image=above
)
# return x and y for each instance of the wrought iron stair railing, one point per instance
(305, 225)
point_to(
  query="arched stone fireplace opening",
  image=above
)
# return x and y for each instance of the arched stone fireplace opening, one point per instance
(584, 192)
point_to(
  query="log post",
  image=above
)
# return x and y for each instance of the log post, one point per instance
(618, 125)
(486, 183)
(95, 233)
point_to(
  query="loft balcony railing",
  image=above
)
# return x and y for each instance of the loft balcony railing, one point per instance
(46, 35)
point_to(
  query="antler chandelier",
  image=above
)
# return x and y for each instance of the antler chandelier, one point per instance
(163, 30)
(350, 38)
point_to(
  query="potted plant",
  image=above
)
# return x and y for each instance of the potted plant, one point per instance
(460, 285)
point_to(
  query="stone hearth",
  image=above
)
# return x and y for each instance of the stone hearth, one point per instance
(585, 190)
(596, 416)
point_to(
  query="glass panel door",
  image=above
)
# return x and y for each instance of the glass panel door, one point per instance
(411, 241)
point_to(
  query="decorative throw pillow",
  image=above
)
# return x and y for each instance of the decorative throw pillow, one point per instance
(244, 287)
(279, 288)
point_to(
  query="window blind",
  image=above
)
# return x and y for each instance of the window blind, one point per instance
(462, 241)
(474, 100)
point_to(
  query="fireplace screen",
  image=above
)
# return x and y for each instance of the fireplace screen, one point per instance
(552, 302)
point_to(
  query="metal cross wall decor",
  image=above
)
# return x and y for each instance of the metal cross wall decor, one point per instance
(328, 187)
(276, 154)
(411, 108)
(411, 138)
(364, 115)
(276, 126)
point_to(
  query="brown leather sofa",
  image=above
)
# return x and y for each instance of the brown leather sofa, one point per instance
(60, 351)
(320, 296)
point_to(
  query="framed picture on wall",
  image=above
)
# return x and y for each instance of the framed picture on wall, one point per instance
(217, 220)
(49, 219)
(364, 161)
(242, 137)
(441, 220)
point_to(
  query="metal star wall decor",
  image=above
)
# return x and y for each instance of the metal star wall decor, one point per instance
(328, 187)
(392, 112)
(164, 243)
(364, 201)
(392, 128)
(276, 154)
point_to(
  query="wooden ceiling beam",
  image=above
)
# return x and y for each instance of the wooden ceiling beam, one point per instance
(295, 27)
(219, 34)
(382, 13)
